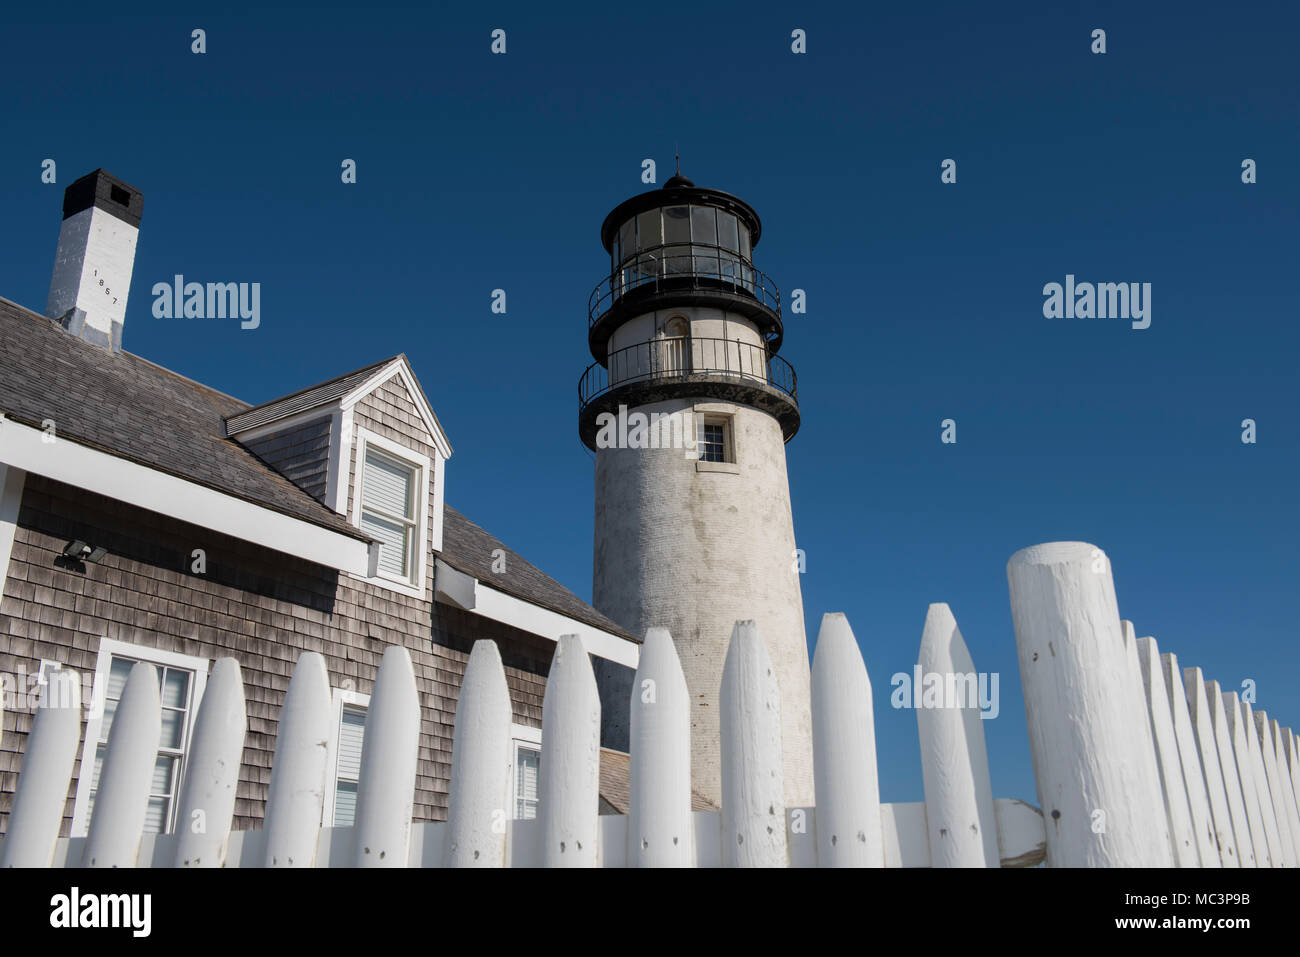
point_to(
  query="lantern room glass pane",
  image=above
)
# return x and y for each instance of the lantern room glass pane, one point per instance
(627, 238)
(649, 229)
(728, 238)
(677, 224)
(746, 273)
(677, 260)
(704, 225)
(730, 266)
(648, 266)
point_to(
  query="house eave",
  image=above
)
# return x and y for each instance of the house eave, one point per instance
(461, 590)
(63, 460)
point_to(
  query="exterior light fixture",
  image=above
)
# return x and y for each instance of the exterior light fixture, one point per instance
(79, 551)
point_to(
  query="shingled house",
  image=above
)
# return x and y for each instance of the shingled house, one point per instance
(147, 517)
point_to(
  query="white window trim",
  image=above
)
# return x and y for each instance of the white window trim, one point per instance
(11, 499)
(520, 734)
(704, 411)
(339, 698)
(416, 586)
(109, 647)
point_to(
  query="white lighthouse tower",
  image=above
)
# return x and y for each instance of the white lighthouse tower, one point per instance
(685, 333)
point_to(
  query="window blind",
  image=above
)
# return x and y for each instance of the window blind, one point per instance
(352, 729)
(388, 510)
(527, 764)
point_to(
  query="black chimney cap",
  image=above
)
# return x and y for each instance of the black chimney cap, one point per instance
(106, 191)
(677, 179)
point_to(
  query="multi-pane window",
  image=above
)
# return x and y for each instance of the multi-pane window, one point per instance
(528, 760)
(177, 691)
(352, 732)
(711, 440)
(389, 511)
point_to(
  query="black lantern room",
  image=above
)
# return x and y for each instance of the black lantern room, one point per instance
(685, 246)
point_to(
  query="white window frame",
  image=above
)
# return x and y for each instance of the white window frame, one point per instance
(520, 736)
(339, 698)
(416, 585)
(109, 647)
(713, 413)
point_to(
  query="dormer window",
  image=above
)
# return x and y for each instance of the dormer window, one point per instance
(388, 511)
(390, 504)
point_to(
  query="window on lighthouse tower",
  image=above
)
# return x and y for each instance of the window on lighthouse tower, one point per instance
(713, 441)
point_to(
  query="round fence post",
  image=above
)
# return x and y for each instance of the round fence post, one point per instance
(1089, 733)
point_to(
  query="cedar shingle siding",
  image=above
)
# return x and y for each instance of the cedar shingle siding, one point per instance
(257, 606)
(301, 454)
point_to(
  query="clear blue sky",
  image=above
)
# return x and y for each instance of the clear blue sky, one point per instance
(924, 300)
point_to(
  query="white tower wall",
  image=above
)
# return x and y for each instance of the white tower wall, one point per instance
(695, 546)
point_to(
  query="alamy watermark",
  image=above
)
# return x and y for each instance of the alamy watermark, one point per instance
(74, 909)
(214, 300)
(648, 430)
(932, 689)
(49, 686)
(1103, 300)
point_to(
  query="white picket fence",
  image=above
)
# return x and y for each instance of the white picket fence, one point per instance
(1130, 769)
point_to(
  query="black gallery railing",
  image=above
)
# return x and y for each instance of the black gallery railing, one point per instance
(684, 266)
(678, 357)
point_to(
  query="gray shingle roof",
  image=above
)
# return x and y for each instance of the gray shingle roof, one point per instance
(303, 399)
(127, 406)
(468, 548)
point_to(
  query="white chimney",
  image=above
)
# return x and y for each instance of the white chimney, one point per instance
(92, 268)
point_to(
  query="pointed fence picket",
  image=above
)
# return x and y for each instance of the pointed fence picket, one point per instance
(1231, 779)
(954, 762)
(213, 771)
(569, 793)
(122, 798)
(1136, 760)
(660, 832)
(844, 752)
(480, 764)
(1188, 809)
(47, 767)
(296, 798)
(386, 783)
(753, 780)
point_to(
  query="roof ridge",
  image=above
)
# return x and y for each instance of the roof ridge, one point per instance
(317, 385)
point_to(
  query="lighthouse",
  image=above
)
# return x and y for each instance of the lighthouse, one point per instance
(688, 408)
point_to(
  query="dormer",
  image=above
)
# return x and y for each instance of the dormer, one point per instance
(368, 446)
